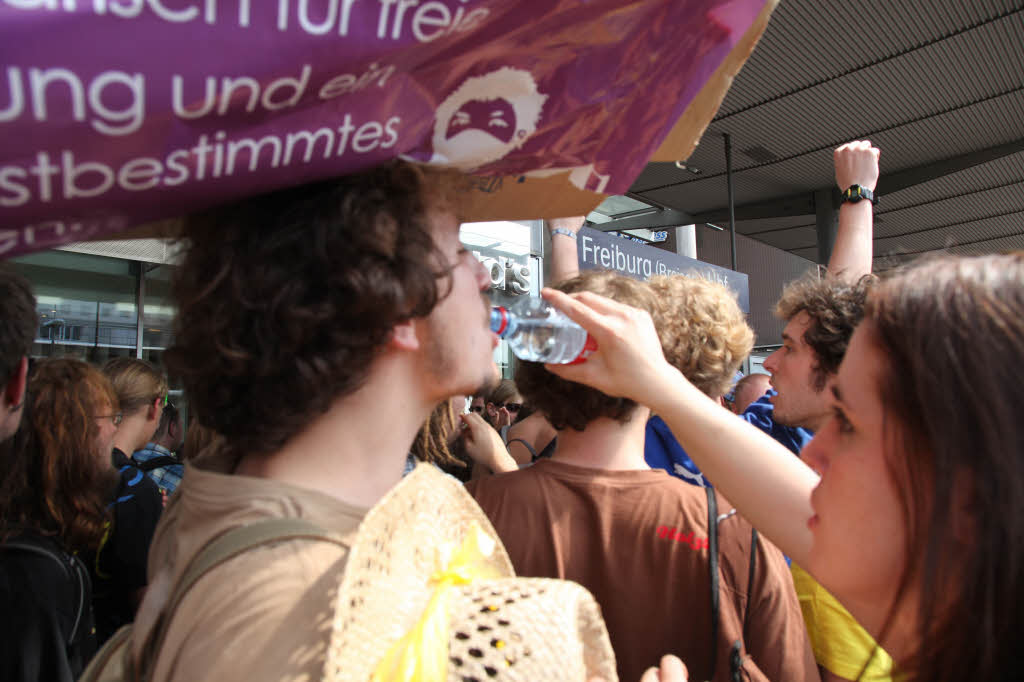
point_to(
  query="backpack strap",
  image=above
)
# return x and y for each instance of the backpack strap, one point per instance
(69, 565)
(227, 546)
(155, 462)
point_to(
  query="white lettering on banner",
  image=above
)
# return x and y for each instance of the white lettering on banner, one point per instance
(505, 274)
(216, 158)
(43, 234)
(433, 16)
(85, 100)
(426, 22)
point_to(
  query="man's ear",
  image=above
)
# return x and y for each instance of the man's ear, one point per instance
(404, 336)
(14, 391)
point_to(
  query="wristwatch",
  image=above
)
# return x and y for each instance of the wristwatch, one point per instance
(855, 193)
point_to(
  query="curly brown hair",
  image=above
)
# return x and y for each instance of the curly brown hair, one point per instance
(18, 320)
(54, 480)
(835, 307)
(567, 403)
(284, 299)
(711, 345)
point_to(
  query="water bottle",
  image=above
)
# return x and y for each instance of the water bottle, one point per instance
(536, 332)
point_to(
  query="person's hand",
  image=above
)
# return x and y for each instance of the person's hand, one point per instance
(484, 445)
(502, 417)
(628, 359)
(574, 224)
(672, 670)
(856, 164)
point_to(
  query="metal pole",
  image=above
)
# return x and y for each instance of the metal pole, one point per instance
(140, 306)
(732, 198)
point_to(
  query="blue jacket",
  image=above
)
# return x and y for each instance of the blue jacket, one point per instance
(662, 450)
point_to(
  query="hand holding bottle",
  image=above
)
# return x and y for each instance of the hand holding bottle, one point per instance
(630, 362)
(536, 332)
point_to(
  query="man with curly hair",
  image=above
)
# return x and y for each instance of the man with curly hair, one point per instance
(639, 539)
(821, 312)
(318, 327)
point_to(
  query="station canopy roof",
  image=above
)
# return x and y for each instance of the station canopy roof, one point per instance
(937, 86)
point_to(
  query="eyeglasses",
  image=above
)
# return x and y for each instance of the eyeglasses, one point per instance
(511, 407)
(115, 418)
(476, 408)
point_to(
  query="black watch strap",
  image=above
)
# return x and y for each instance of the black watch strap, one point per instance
(855, 193)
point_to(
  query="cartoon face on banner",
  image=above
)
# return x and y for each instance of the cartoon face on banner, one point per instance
(486, 117)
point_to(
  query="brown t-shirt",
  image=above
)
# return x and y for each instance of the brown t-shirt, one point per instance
(638, 541)
(263, 615)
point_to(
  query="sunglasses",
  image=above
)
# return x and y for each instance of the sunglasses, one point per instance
(511, 407)
(476, 408)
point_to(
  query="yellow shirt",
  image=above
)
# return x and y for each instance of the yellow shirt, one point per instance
(841, 645)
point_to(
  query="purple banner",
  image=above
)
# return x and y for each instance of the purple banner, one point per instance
(115, 113)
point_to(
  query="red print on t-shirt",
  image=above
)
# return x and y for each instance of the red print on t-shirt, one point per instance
(686, 538)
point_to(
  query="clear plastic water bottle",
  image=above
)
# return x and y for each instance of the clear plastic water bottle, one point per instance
(536, 332)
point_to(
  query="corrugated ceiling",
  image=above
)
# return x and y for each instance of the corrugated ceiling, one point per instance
(925, 81)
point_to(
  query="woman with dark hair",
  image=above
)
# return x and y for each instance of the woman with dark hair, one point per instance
(913, 512)
(53, 494)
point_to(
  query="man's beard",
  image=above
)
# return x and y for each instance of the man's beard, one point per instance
(490, 383)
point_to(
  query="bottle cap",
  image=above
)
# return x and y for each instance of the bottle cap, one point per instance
(499, 320)
(589, 346)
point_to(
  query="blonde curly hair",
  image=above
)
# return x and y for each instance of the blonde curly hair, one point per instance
(709, 334)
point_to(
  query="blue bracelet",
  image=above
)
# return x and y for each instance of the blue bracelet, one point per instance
(562, 230)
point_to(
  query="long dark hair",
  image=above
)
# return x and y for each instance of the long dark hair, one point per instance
(951, 332)
(54, 481)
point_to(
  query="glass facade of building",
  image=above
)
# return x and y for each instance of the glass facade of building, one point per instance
(90, 305)
(89, 309)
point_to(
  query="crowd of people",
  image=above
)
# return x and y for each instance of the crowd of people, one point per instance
(852, 516)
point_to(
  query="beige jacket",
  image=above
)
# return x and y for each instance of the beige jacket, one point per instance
(263, 615)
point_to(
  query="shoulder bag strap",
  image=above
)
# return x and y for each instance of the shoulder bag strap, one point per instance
(533, 453)
(68, 564)
(713, 569)
(229, 545)
(736, 658)
(750, 578)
